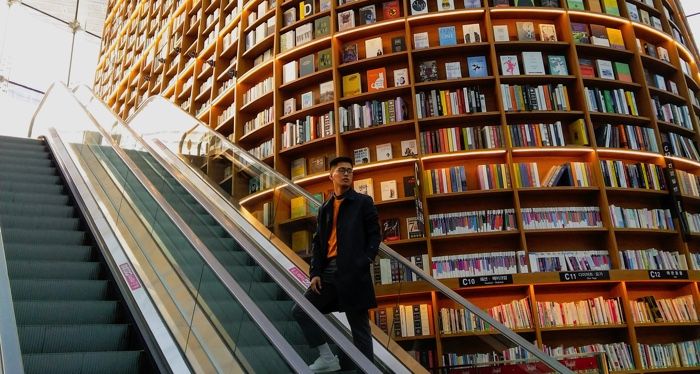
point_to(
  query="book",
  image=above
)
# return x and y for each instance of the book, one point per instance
(548, 32)
(477, 67)
(577, 132)
(322, 27)
(324, 5)
(390, 9)
(420, 40)
(317, 164)
(298, 168)
(549, 3)
(663, 53)
(287, 40)
(445, 5)
(615, 38)
(324, 59)
(633, 12)
(501, 33)
(524, 2)
(307, 100)
(289, 17)
(326, 91)
(594, 6)
(304, 33)
(391, 229)
(623, 72)
(388, 190)
(384, 152)
(373, 47)
(253, 185)
(580, 33)
(368, 15)
(501, 3)
(349, 52)
(299, 207)
(301, 241)
(364, 186)
(453, 70)
(509, 65)
(376, 79)
(346, 20)
(409, 185)
(352, 84)
(471, 33)
(290, 106)
(306, 65)
(361, 155)
(644, 17)
(409, 148)
(611, 7)
(289, 72)
(533, 64)
(586, 66)
(575, 4)
(605, 69)
(557, 65)
(472, 4)
(526, 31)
(306, 8)
(400, 77)
(447, 35)
(427, 71)
(418, 7)
(599, 35)
(412, 228)
(398, 44)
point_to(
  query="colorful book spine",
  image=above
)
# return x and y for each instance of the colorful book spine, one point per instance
(611, 101)
(652, 259)
(531, 98)
(569, 261)
(626, 136)
(654, 219)
(619, 174)
(475, 264)
(561, 217)
(596, 311)
(455, 139)
(456, 223)
(435, 103)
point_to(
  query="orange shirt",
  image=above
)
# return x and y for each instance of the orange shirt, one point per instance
(332, 239)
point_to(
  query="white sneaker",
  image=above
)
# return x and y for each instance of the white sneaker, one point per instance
(323, 365)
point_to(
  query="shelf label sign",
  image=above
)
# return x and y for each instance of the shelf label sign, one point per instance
(577, 276)
(668, 274)
(486, 280)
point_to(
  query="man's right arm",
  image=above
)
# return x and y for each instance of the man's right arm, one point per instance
(316, 267)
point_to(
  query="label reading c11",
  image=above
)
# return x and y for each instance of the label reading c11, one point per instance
(486, 280)
(577, 276)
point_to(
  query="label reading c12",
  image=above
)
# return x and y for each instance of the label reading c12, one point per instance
(668, 274)
(577, 276)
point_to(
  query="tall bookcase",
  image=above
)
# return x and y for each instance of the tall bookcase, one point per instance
(580, 153)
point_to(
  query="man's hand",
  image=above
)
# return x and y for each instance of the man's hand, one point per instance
(316, 284)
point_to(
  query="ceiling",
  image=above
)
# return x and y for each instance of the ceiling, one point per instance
(91, 13)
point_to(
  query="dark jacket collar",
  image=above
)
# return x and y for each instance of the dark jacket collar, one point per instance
(350, 194)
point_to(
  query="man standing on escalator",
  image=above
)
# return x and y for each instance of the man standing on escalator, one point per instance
(345, 243)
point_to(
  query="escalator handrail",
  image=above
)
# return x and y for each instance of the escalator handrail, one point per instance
(275, 338)
(332, 331)
(10, 352)
(384, 249)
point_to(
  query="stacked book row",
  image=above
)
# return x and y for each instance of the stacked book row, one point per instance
(643, 218)
(569, 261)
(575, 174)
(514, 315)
(626, 136)
(652, 259)
(561, 217)
(537, 135)
(670, 355)
(693, 222)
(450, 102)
(477, 359)
(261, 119)
(404, 320)
(445, 180)
(596, 311)
(688, 183)
(530, 98)
(492, 220)
(493, 176)
(454, 139)
(611, 101)
(649, 309)
(681, 146)
(372, 113)
(475, 264)
(619, 355)
(458, 321)
(640, 175)
(260, 89)
(388, 271)
(677, 114)
(306, 129)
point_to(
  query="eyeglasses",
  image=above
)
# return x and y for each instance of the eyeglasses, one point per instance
(344, 171)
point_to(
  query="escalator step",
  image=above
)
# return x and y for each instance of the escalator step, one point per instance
(48, 252)
(17, 140)
(208, 229)
(59, 289)
(22, 169)
(31, 209)
(265, 291)
(273, 362)
(43, 236)
(53, 270)
(24, 154)
(10, 159)
(24, 147)
(32, 198)
(120, 362)
(65, 312)
(73, 338)
(39, 222)
(27, 185)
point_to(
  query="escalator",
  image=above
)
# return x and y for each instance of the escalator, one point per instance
(70, 315)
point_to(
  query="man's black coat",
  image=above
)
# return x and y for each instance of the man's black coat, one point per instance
(358, 239)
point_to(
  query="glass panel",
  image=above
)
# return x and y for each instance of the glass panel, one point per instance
(211, 326)
(61, 9)
(282, 210)
(23, 103)
(85, 56)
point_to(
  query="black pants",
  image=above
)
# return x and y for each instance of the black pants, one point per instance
(328, 300)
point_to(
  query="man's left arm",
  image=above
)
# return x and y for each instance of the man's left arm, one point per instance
(371, 222)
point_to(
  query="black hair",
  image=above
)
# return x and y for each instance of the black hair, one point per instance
(334, 162)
